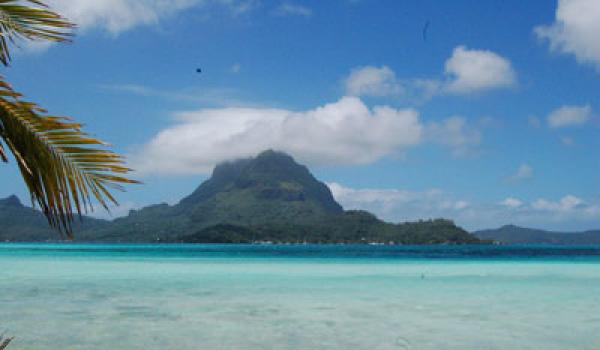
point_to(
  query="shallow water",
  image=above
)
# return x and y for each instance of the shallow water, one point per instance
(299, 297)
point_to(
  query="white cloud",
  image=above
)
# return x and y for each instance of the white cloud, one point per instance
(459, 205)
(511, 202)
(575, 30)
(373, 81)
(565, 204)
(425, 89)
(524, 172)
(567, 213)
(472, 71)
(343, 132)
(569, 116)
(291, 9)
(238, 7)
(398, 205)
(213, 97)
(454, 133)
(351, 197)
(467, 71)
(117, 16)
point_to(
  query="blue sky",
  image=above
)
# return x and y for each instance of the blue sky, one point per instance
(485, 112)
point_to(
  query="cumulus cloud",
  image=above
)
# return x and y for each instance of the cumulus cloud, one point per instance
(291, 9)
(473, 71)
(456, 134)
(343, 132)
(575, 30)
(467, 71)
(569, 116)
(373, 81)
(566, 213)
(116, 16)
(566, 203)
(398, 205)
(511, 202)
(524, 172)
(425, 89)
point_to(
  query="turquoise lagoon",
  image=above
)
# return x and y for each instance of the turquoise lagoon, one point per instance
(76, 296)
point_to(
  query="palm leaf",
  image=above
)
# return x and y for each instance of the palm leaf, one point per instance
(37, 22)
(4, 342)
(63, 168)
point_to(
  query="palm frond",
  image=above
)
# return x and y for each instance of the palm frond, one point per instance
(4, 342)
(3, 156)
(64, 168)
(37, 22)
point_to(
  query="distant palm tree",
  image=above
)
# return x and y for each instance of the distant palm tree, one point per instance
(63, 168)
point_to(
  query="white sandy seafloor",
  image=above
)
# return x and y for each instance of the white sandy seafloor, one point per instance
(53, 303)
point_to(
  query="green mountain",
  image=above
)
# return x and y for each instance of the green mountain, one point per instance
(25, 224)
(511, 234)
(266, 198)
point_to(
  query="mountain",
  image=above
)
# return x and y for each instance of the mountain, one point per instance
(21, 223)
(266, 198)
(511, 234)
(268, 190)
(270, 176)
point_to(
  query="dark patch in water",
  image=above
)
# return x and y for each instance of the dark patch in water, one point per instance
(142, 312)
(204, 293)
(329, 323)
(324, 308)
(403, 343)
(75, 313)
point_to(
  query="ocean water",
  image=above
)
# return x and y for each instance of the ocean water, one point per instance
(73, 296)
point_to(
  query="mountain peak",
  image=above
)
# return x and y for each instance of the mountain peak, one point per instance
(510, 226)
(275, 157)
(273, 154)
(271, 175)
(11, 201)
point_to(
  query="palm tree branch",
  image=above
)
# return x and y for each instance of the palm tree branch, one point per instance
(64, 168)
(38, 22)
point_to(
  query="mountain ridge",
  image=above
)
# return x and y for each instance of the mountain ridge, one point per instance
(22, 223)
(512, 234)
(269, 197)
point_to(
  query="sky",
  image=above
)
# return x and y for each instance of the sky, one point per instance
(483, 112)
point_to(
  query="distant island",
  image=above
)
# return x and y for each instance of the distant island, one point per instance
(268, 198)
(511, 234)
